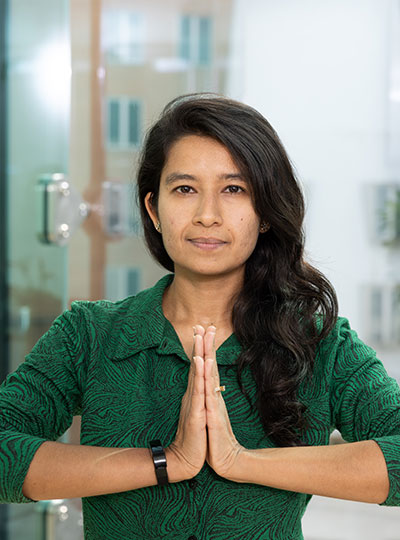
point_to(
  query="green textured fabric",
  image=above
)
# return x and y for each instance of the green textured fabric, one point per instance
(121, 366)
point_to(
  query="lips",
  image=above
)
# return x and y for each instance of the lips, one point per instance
(207, 240)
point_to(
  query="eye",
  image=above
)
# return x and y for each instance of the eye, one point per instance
(183, 189)
(235, 189)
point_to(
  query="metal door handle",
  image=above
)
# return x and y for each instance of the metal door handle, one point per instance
(61, 209)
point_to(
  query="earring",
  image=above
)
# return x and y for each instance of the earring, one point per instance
(264, 227)
(158, 226)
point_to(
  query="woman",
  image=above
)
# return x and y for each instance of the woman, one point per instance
(235, 366)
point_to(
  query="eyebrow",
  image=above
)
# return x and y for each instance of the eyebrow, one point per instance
(176, 176)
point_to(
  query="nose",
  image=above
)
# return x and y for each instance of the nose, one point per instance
(207, 212)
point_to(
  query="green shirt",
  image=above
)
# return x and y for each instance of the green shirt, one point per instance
(122, 367)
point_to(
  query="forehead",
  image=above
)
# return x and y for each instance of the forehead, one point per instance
(196, 151)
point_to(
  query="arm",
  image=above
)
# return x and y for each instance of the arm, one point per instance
(63, 471)
(38, 400)
(365, 407)
(355, 471)
(37, 404)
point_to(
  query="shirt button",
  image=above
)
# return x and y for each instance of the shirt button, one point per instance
(164, 344)
(192, 483)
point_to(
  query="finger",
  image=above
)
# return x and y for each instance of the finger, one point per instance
(211, 367)
(198, 350)
(198, 387)
(197, 330)
(209, 342)
(198, 347)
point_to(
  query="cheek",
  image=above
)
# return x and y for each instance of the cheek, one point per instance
(172, 226)
(250, 234)
(250, 226)
(171, 234)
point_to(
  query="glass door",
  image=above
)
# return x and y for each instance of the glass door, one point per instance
(37, 134)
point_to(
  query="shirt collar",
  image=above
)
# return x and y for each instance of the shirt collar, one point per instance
(145, 326)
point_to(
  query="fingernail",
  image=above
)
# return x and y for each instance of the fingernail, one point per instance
(213, 328)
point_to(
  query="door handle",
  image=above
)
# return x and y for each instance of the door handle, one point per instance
(61, 209)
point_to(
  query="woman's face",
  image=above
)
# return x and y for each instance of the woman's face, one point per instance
(208, 222)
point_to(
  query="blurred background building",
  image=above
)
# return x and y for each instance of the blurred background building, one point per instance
(82, 80)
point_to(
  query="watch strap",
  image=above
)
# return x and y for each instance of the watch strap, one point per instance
(160, 461)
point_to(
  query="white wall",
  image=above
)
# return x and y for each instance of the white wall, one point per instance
(318, 71)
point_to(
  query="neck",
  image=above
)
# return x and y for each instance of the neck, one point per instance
(201, 300)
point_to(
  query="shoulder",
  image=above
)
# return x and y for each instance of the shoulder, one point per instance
(343, 338)
(118, 328)
(107, 313)
(342, 352)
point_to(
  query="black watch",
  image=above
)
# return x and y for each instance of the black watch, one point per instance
(160, 462)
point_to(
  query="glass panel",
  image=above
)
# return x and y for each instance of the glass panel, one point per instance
(185, 51)
(37, 137)
(125, 67)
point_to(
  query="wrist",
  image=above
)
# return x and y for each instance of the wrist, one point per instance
(176, 471)
(237, 472)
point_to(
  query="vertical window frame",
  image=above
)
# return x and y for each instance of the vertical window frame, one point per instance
(4, 296)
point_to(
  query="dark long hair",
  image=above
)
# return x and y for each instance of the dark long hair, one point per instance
(286, 306)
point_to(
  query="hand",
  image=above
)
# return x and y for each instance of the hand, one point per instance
(190, 444)
(223, 449)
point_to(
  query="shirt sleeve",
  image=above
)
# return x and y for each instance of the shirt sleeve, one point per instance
(365, 402)
(38, 401)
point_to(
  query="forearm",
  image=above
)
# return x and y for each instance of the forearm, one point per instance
(352, 471)
(63, 471)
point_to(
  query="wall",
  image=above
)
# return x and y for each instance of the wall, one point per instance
(319, 71)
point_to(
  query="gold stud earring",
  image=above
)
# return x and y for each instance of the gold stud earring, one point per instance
(158, 226)
(264, 227)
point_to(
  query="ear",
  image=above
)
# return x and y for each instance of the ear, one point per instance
(150, 208)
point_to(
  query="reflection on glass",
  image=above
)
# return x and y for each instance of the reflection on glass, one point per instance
(147, 53)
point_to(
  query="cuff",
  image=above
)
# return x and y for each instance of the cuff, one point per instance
(390, 447)
(16, 453)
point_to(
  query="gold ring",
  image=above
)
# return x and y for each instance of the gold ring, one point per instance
(220, 389)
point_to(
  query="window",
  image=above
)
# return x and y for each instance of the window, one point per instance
(123, 36)
(124, 122)
(195, 39)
